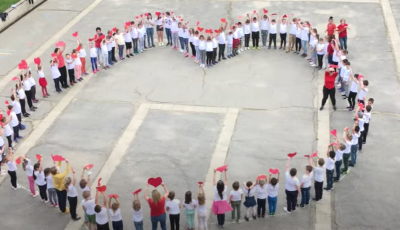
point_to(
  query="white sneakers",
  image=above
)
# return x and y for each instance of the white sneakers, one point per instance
(285, 209)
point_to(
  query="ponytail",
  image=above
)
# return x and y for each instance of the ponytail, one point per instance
(33, 174)
(221, 195)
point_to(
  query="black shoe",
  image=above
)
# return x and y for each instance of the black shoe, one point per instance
(254, 217)
(223, 58)
(26, 114)
(246, 218)
(334, 107)
(75, 82)
(77, 218)
(32, 109)
(219, 59)
(131, 55)
(336, 180)
(302, 206)
(63, 86)
(321, 108)
(351, 165)
(128, 56)
(327, 189)
(314, 199)
(154, 46)
(67, 86)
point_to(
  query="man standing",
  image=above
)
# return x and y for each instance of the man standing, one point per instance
(61, 65)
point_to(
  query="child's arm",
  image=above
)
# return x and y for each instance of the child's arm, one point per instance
(66, 171)
(214, 180)
(104, 200)
(226, 177)
(269, 178)
(96, 199)
(145, 192)
(230, 199)
(109, 202)
(288, 164)
(310, 162)
(83, 172)
(165, 190)
(277, 178)
(73, 178)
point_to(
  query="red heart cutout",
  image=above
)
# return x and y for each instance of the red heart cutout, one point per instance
(230, 27)
(262, 177)
(181, 20)
(216, 31)
(265, 11)
(39, 157)
(179, 16)
(75, 34)
(53, 55)
(236, 24)
(222, 168)
(172, 12)
(14, 78)
(347, 128)
(37, 61)
(141, 15)
(197, 23)
(333, 132)
(8, 112)
(111, 33)
(200, 182)
(155, 182)
(291, 155)
(18, 161)
(23, 65)
(98, 182)
(284, 16)
(163, 14)
(200, 29)
(145, 14)
(240, 16)
(114, 29)
(127, 24)
(273, 14)
(298, 19)
(312, 155)
(113, 195)
(90, 39)
(273, 171)
(137, 17)
(6, 102)
(89, 166)
(102, 188)
(58, 158)
(361, 106)
(254, 11)
(60, 44)
(157, 13)
(335, 144)
(223, 20)
(137, 191)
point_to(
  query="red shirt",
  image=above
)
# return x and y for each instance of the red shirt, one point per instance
(330, 49)
(331, 29)
(330, 80)
(98, 41)
(342, 30)
(60, 58)
(157, 209)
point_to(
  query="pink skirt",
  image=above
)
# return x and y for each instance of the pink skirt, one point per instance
(220, 207)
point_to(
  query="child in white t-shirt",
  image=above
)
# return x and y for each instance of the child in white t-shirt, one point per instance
(339, 150)
(273, 186)
(320, 53)
(173, 206)
(137, 213)
(305, 185)
(190, 205)
(318, 178)
(346, 152)
(235, 199)
(201, 208)
(229, 39)
(93, 57)
(330, 167)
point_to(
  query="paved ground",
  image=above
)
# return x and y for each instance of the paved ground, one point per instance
(275, 92)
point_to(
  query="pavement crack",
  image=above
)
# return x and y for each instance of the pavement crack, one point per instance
(230, 10)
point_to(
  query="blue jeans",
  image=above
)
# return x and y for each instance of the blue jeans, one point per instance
(149, 33)
(98, 53)
(110, 58)
(169, 36)
(162, 219)
(338, 165)
(117, 225)
(181, 42)
(272, 203)
(343, 42)
(329, 178)
(93, 60)
(353, 151)
(304, 46)
(305, 195)
(138, 225)
(339, 77)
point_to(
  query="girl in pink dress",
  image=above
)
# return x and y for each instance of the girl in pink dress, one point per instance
(220, 205)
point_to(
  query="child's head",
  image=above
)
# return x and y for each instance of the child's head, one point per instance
(293, 172)
(97, 208)
(342, 21)
(10, 107)
(196, 33)
(249, 183)
(308, 169)
(240, 24)
(208, 38)
(274, 181)
(330, 20)
(235, 185)
(233, 28)
(321, 40)
(357, 129)
(24, 164)
(3, 120)
(46, 171)
(53, 170)
(115, 206)
(247, 21)
(67, 56)
(168, 13)
(365, 82)
(40, 67)
(283, 20)
(254, 19)
(98, 30)
(82, 183)
(171, 195)
(188, 197)
(342, 147)
(201, 199)
(68, 181)
(321, 162)
(370, 101)
(265, 17)
(314, 30)
(201, 37)
(91, 45)
(12, 97)
(191, 31)
(136, 205)
(368, 108)
(273, 21)
(180, 25)
(332, 154)
(347, 64)
(36, 166)
(261, 182)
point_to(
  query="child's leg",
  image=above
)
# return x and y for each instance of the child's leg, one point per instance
(237, 205)
(366, 127)
(338, 165)
(32, 185)
(93, 62)
(274, 201)
(274, 40)
(270, 205)
(43, 91)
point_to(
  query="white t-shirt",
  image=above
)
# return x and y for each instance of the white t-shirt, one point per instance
(40, 178)
(291, 183)
(180, 32)
(185, 33)
(283, 28)
(355, 138)
(159, 22)
(346, 74)
(168, 22)
(247, 29)
(293, 28)
(230, 39)
(322, 48)
(141, 32)
(361, 122)
(221, 38)
(1, 143)
(82, 53)
(255, 27)
(273, 190)
(8, 132)
(240, 32)
(70, 62)
(104, 49)
(55, 73)
(14, 119)
(362, 94)
(109, 46)
(148, 23)
(306, 180)
(134, 33)
(202, 209)
(367, 116)
(173, 206)
(11, 166)
(330, 163)
(319, 174)
(196, 41)
(261, 191)
(77, 61)
(335, 58)
(32, 81)
(202, 45)
(248, 193)
(72, 191)
(89, 205)
(27, 85)
(304, 34)
(49, 180)
(209, 46)
(190, 206)
(93, 52)
(174, 26)
(29, 168)
(17, 105)
(272, 28)
(101, 217)
(264, 24)
(298, 33)
(348, 146)
(354, 86)
(137, 216)
(338, 155)
(216, 195)
(236, 195)
(115, 216)
(235, 34)
(214, 43)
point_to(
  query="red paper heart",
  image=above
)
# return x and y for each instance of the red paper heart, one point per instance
(273, 14)
(262, 177)
(335, 144)
(157, 13)
(236, 24)
(284, 16)
(291, 155)
(265, 11)
(200, 182)
(163, 14)
(113, 195)
(273, 171)
(60, 44)
(333, 132)
(197, 23)
(89, 166)
(223, 20)
(54, 54)
(334, 66)
(254, 11)
(145, 14)
(18, 161)
(98, 182)
(312, 155)
(216, 31)
(360, 76)
(127, 24)
(141, 15)
(102, 188)
(240, 16)
(222, 168)
(114, 29)
(137, 191)
(155, 182)
(75, 34)
(78, 48)
(37, 61)
(182, 20)
(39, 157)
(14, 79)
(8, 112)
(58, 158)
(6, 102)
(137, 17)
(230, 27)
(298, 19)
(200, 29)
(179, 16)
(23, 65)
(172, 12)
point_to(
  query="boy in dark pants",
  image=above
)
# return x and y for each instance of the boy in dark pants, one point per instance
(330, 167)
(338, 158)
(306, 186)
(319, 177)
(17, 109)
(346, 153)
(292, 188)
(367, 115)
(354, 144)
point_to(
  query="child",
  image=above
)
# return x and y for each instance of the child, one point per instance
(28, 168)
(191, 38)
(93, 58)
(167, 24)
(173, 207)
(342, 59)
(33, 87)
(240, 33)
(2, 149)
(255, 30)
(201, 208)
(141, 32)
(247, 33)
(262, 195)
(160, 29)
(345, 72)
(119, 39)
(230, 44)
(292, 34)
(104, 53)
(249, 200)
(222, 42)
(298, 38)
(88, 205)
(50, 188)
(8, 132)
(292, 188)
(115, 214)
(214, 46)
(19, 106)
(135, 38)
(40, 180)
(110, 43)
(55, 73)
(362, 95)
(236, 41)
(367, 115)
(82, 55)
(273, 186)
(42, 80)
(196, 43)
(14, 123)
(354, 144)
(190, 206)
(27, 87)
(304, 37)
(353, 91)
(101, 212)
(339, 150)
(174, 31)
(83, 184)
(202, 51)
(137, 213)
(12, 169)
(77, 67)
(346, 152)
(313, 46)
(283, 33)
(220, 205)
(305, 185)
(319, 177)
(128, 42)
(361, 122)
(180, 36)
(209, 51)
(235, 199)
(185, 37)
(72, 195)
(71, 68)
(320, 52)
(272, 33)
(264, 29)
(330, 167)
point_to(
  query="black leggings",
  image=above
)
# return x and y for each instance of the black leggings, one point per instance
(331, 93)
(209, 55)
(73, 201)
(71, 73)
(28, 94)
(298, 44)
(174, 221)
(283, 40)
(13, 178)
(272, 37)
(113, 54)
(320, 60)
(221, 52)
(22, 102)
(16, 131)
(9, 139)
(352, 99)
(193, 49)
(43, 191)
(214, 54)
(256, 38)
(261, 203)
(246, 40)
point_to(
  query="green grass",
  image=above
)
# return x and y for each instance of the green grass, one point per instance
(5, 4)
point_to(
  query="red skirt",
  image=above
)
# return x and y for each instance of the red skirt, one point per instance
(42, 82)
(236, 43)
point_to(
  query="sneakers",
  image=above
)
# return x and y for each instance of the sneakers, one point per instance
(285, 209)
(238, 221)
(77, 218)
(233, 221)
(46, 201)
(321, 108)
(66, 211)
(254, 217)
(327, 189)
(56, 206)
(34, 195)
(246, 218)
(314, 199)
(258, 47)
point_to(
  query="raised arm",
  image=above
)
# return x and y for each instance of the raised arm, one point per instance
(288, 164)
(310, 162)
(96, 199)
(109, 201)
(214, 178)
(165, 190)
(226, 177)
(73, 178)
(277, 178)
(145, 192)
(104, 200)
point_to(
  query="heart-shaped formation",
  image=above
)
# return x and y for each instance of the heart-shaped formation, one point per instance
(57, 158)
(60, 44)
(113, 195)
(23, 65)
(312, 155)
(39, 157)
(102, 188)
(137, 191)
(223, 20)
(291, 155)
(222, 168)
(14, 79)
(273, 171)
(262, 177)
(155, 182)
(53, 55)
(333, 132)
(37, 61)
(75, 34)
(89, 166)
(265, 11)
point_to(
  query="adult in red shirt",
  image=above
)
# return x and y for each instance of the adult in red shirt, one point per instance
(331, 27)
(61, 65)
(342, 30)
(329, 88)
(97, 42)
(157, 207)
